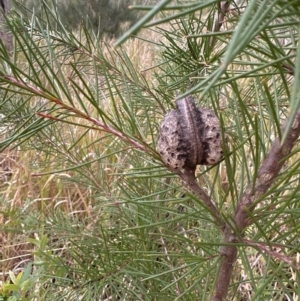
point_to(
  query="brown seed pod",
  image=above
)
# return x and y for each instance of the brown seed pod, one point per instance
(190, 136)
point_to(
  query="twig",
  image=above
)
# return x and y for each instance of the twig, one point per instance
(192, 184)
(219, 20)
(267, 173)
(267, 249)
(78, 113)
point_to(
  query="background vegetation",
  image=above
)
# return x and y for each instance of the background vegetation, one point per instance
(102, 16)
(88, 210)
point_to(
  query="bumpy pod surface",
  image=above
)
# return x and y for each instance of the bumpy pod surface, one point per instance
(190, 136)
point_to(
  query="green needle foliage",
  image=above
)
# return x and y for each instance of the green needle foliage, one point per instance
(90, 212)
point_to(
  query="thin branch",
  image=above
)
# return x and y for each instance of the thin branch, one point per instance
(109, 129)
(192, 184)
(219, 20)
(274, 254)
(267, 174)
